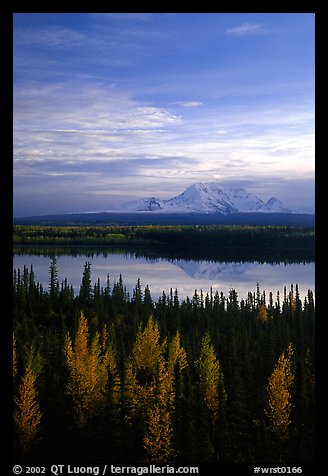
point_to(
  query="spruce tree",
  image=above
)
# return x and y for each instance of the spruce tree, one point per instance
(85, 289)
(53, 282)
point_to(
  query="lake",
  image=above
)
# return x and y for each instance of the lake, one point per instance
(161, 274)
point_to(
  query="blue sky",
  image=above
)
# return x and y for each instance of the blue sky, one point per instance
(111, 107)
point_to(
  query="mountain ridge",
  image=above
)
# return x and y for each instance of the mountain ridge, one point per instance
(207, 197)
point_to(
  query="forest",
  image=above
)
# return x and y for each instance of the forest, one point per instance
(104, 376)
(233, 242)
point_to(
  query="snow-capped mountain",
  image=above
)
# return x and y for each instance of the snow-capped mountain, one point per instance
(214, 270)
(208, 197)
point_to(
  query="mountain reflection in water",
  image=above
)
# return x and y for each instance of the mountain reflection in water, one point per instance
(214, 270)
(162, 274)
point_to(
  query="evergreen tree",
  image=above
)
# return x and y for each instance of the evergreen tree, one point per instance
(85, 289)
(109, 349)
(129, 381)
(53, 282)
(148, 302)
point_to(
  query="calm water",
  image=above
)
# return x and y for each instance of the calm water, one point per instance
(161, 274)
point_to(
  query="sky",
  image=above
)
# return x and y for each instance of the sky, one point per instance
(109, 107)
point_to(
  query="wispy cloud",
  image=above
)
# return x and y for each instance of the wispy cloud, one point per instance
(246, 29)
(95, 136)
(124, 16)
(188, 103)
(53, 37)
(103, 45)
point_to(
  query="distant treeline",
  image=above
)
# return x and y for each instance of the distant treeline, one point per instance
(194, 241)
(106, 377)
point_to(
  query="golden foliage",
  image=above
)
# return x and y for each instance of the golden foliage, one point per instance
(147, 350)
(177, 354)
(279, 395)
(88, 376)
(141, 373)
(158, 439)
(211, 377)
(27, 414)
(139, 397)
(263, 313)
(149, 389)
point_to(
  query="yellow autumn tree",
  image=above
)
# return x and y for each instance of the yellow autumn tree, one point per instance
(27, 414)
(140, 371)
(279, 388)
(177, 354)
(211, 378)
(158, 438)
(149, 390)
(263, 313)
(148, 350)
(157, 441)
(88, 376)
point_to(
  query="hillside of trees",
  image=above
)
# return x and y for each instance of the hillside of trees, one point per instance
(267, 243)
(103, 376)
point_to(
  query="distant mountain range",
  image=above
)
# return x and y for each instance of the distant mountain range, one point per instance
(207, 198)
(201, 203)
(212, 269)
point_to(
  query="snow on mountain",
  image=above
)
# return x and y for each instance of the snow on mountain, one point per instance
(145, 204)
(208, 197)
(212, 198)
(277, 205)
(214, 270)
